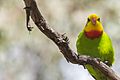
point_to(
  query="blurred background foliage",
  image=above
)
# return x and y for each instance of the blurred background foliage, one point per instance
(33, 56)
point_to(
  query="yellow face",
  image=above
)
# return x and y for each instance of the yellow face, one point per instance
(93, 23)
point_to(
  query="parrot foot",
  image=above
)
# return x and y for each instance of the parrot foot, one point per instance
(107, 63)
(98, 59)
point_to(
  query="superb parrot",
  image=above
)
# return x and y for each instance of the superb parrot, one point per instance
(94, 42)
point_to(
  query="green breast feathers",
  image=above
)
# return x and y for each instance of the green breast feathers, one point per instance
(99, 47)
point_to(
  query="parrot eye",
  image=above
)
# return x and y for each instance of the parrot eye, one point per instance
(88, 20)
(98, 19)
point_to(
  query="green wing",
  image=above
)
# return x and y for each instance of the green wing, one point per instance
(100, 48)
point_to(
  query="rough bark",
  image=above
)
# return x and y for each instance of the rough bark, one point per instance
(63, 43)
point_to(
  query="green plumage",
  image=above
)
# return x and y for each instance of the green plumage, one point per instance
(99, 48)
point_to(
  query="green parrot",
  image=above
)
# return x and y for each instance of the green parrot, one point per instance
(94, 42)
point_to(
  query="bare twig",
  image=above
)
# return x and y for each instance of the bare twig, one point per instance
(63, 44)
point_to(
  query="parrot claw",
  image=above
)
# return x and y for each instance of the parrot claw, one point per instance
(98, 59)
(107, 63)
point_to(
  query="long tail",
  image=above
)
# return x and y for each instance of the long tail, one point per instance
(96, 74)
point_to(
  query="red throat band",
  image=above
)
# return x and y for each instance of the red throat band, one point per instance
(93, 34)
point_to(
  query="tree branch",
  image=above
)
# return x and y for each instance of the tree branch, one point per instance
(63, 44)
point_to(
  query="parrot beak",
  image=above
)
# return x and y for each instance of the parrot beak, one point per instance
(94, 21)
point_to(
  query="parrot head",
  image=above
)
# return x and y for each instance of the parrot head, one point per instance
(93, 28)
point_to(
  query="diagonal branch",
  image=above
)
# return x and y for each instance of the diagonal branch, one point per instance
(63, 44)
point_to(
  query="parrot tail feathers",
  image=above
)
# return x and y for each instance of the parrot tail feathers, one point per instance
(96, 74)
